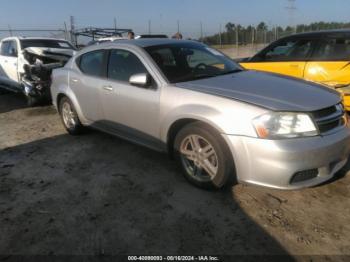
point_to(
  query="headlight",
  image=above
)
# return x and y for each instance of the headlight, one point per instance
(279, 125)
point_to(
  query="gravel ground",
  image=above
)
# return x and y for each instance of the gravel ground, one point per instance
(99, 195)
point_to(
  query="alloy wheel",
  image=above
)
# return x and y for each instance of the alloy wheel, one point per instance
(68, 115)
(199, 158)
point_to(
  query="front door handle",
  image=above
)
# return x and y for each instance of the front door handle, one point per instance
(108, 88)
(75, 80)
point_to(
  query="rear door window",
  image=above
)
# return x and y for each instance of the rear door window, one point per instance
(333, 49)
(290, 50)
(92, 63)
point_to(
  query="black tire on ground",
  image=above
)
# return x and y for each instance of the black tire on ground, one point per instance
(75, 127)
(3, 91)
(32, 101)
(225, 175)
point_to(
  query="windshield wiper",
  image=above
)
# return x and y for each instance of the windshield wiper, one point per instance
(202, 76)
(230, 72)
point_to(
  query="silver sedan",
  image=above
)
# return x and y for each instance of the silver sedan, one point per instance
(221, 123)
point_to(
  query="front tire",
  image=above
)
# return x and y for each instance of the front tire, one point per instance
(204, 157)
(31, 101)
(70, 117)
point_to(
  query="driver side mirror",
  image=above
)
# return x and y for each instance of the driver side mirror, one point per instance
(140, 80)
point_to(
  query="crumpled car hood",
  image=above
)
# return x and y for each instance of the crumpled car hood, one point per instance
(53, 53)
(272, 91)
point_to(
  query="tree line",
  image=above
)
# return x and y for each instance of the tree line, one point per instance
(262, 33)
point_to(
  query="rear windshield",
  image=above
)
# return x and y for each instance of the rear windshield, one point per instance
(45, 43)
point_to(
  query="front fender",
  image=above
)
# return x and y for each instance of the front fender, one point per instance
(201, 113)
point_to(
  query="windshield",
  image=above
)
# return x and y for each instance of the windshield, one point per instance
(45, 43)
(183, 62)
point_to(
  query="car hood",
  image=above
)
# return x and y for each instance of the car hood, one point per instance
(272, 91)
(59, 54)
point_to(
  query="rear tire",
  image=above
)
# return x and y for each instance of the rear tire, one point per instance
(70, 117)
(204, 157)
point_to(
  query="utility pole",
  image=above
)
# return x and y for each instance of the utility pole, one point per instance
(72, 30)
(220, 38)
(276, 32)
(149, 27)
(253, 35)
(161, 23)
(291, 10)
(65, 31)
(201, 25)
(10, 30)
(237, 42)
(115, 24)
(178, 26)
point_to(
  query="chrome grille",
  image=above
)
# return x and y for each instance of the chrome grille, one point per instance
(330, 119)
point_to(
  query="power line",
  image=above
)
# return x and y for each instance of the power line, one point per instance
(291, 8)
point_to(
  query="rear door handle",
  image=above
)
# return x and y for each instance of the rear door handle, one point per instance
(108, 88)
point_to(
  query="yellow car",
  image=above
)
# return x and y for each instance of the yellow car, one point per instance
(322, 57)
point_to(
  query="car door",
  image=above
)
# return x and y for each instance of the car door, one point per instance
(132, 110)
(9, 60)
(286, 57)
(87, 77)
(330, 63)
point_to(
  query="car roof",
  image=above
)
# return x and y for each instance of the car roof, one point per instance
(32, 38)
(147, 42)
(139, 43)
(323, 34)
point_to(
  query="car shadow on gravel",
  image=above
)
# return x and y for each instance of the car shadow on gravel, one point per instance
(14, 101)
(99, 195)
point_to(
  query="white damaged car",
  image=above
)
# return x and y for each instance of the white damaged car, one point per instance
(26, 64)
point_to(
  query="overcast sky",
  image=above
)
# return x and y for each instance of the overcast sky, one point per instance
(164, 14)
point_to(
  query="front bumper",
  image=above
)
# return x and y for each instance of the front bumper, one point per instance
(274, 163)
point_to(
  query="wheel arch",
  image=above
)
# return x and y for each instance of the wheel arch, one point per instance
(59, 98)
(177, 125)
(75, 103)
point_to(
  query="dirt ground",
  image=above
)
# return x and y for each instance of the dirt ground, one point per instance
(240, 52)
(99, 195)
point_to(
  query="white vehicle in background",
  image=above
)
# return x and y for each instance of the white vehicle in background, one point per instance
(26, 64)
(115, 38)
(106, 39)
